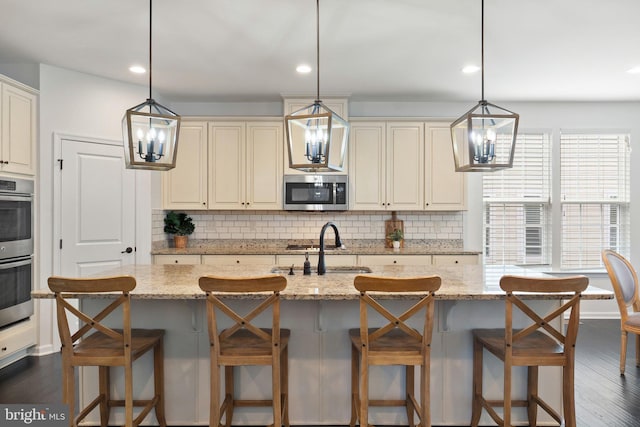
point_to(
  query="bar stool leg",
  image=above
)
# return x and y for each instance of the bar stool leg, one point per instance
(229, 391)
(276, 400)
(569, 403)
(355, 394)
(425, 389)
(364, 391)
(284, 385)
(532, 394)
(409, 390)
(104, 387)
(158, 373)
(476, 407)
(214, 403)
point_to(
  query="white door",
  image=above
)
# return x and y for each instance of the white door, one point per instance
(97, 208)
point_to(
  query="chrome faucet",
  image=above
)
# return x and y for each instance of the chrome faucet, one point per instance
(321, 267)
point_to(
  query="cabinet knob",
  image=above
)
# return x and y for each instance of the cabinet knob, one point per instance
(204, 203)
(4, 348)
(176, 261)
(395, 261)
(237, 261)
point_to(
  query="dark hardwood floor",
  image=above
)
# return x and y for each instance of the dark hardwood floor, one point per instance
(603, 397)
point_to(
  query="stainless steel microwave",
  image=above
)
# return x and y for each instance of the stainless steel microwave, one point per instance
(316, 193)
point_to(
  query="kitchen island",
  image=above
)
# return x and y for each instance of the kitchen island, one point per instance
(319, 310)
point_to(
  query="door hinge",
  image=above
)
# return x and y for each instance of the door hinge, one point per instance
(60, 162)
(60, 243)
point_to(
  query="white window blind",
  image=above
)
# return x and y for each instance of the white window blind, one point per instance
(594, 187)
(516, 205)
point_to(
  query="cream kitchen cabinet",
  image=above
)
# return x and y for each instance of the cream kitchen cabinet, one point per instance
(239, 259)
(455, 259)
(185, 186)
(245, 165)
(444, 188)
(337, 105)
(18, 113)
(15, 339)
(369, 260)
(176, 259)
(386, 162)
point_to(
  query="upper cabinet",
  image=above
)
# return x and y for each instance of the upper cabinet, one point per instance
(386, 164)
(185, 186)
(445, 189)
(403, 166)
(226, 165)
(245, 165)
(18, 111)
(337, 105)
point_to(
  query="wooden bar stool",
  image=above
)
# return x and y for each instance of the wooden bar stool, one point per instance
(245, 344)
(538, 344)
(396, 343)
(106, 347)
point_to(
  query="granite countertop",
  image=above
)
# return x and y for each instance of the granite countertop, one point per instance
(459, 282)
(279, 247)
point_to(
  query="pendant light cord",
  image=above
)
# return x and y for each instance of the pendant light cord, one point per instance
(318, 50)
(482, 47)
(150, 23)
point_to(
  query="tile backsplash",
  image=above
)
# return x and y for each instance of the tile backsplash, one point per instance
(353, 225)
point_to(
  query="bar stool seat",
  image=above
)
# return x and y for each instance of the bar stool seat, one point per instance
(105, 348)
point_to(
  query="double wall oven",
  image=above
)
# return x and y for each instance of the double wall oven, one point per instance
(16, 250)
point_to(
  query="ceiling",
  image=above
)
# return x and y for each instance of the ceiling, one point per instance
(240, 50)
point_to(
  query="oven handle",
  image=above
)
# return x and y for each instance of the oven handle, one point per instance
(13, 197)
(16, 262)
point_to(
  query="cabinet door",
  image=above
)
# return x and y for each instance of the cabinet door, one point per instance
(264, 166)
(176, 259)
(455, 259)
(445, 189)
(369, 260)
(405, 166)
(226, 165)
(338, 106)
(367, 166)
(239, 259)
(18, 130)
(185, 186)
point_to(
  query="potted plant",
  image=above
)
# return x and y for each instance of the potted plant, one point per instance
(396, 235)
(180, 225)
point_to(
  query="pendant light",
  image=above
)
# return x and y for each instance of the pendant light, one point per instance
(316, 136)
(150, 131)
(484, 138)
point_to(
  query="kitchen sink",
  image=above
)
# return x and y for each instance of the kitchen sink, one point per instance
(310, 248)
(348, 269)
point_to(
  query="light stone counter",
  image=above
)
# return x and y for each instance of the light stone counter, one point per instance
(459, 282)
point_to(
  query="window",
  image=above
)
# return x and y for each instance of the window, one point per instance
(594, 192)
(592, 210)
(516, 205)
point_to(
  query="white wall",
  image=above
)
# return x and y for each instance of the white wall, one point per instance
(78, 104)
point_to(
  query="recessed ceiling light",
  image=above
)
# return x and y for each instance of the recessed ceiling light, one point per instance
(138, 69)
(303, 69)
(469, 69)
(634, 70)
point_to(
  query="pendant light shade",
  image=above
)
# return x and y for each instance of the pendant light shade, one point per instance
(150, 131)
(484, 138)
(316, 136)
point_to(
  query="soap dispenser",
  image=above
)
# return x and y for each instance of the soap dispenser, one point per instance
(307, 264)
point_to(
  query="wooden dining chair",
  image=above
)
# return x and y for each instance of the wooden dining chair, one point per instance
(244, 344)
(539, 343)
(395, 343)
(98, 343)
(624, 281)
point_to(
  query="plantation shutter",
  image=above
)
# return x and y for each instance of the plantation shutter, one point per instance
(516, 205)
(594, 183)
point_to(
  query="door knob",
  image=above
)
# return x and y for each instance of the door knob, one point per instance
(128, 250)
